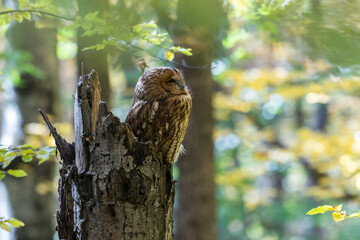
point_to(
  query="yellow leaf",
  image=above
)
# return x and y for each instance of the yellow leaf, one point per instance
(353, 215)
(15, 222)
(5, 226)
(320, 209)
(338, 217)
(338, 208)
(169, 55)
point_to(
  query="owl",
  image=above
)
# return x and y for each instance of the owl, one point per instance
(160, 111)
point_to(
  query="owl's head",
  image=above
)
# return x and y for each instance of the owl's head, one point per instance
(160, 83)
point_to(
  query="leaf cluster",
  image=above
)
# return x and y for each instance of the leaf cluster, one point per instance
(6, 224)
(27, 153)
(337, 214)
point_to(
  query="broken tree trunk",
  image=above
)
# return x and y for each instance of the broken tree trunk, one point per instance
(111, 186)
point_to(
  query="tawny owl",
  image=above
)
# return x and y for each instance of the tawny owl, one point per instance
(160, 110)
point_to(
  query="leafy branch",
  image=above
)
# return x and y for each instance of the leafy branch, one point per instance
(117, 35)
(11, 222)
(337, 214)
(27, 154)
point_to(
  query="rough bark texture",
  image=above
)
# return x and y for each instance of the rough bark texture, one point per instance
(118, 188)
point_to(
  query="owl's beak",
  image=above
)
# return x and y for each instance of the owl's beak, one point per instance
(180, 85)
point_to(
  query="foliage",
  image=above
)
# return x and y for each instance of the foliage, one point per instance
(337, 214)
(12, 222)
(287, 124)
(19, 62)
(287, 130)
(27, 153)
(117, 33)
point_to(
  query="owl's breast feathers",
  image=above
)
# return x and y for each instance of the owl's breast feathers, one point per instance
(163, 122)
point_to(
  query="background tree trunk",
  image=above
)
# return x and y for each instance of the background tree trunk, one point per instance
(197, 27)
(198, 22)
(116, 188)
(31, 204)
(91, 58)
(196, 214)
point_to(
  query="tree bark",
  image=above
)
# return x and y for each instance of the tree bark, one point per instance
(196, 216)
(198, 27)
(116, 188)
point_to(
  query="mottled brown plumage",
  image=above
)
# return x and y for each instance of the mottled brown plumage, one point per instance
(160, 110)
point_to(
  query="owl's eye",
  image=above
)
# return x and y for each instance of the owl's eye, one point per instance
(171, 80)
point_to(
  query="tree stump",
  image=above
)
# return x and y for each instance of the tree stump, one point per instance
(111, 186)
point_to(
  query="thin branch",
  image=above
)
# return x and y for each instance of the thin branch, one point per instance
(39, 12)
(72, 19)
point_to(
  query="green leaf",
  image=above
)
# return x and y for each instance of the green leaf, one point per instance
(169, 55)
(15, 222)
(18, 17)
(27, 151)
(27, 158)
(45, 153)
(26, 145)
(186, 51)
(23, 3)
(17, 172)
(151, 24)
(2, 175)
(320, 209)
(26, 15)
(137, 27)
(8, 158)
(140, 27)
(5, 226)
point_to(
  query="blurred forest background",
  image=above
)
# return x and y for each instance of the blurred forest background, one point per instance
(275, 128)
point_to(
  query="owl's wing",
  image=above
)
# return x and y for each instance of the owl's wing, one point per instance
(141, 119)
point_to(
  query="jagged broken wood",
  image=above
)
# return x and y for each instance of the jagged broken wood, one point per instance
(111, 186)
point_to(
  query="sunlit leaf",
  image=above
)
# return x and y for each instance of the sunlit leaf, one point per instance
(26, 151)
(169, 55)
(18, 17)
(26, 15)
(338, 208)
(151, 24)
(5, 226)
(26, 145)
(8, 158)
(27, 158)
(15, 222)
(353, 215)
(17, 172)
(137, 27)
(45, 153)
(186, 51)
(338, 216)
(320, 209)
(23, 3)
(2, 175)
